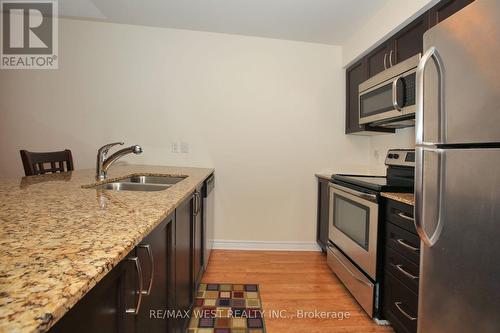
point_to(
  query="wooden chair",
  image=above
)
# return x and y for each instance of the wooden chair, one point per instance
(35, 163)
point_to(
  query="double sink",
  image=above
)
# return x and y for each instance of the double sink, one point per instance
(141, 183)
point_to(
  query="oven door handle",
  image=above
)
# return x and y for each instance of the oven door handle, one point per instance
(347, 268)
(363, 195)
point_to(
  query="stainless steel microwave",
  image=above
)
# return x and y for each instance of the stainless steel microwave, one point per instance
(388, 98)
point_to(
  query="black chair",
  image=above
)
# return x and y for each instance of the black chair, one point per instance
(37, 163)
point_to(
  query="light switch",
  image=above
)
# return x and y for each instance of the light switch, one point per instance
(184, 147)
(175, 147)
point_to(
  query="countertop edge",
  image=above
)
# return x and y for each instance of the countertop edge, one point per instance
(406, 198)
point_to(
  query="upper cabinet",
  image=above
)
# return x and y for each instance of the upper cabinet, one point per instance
(408, 41)
(444, 9)
(402, 45)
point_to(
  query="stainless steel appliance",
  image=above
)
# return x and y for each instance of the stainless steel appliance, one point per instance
(457, 175)
(354, 223)
(208, 218)
(388, 98)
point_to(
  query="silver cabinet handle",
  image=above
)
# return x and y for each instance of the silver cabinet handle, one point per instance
(135, 310)
(395, 93)
(398, 306)
(196, 203)
(347, 268)
(405, 272)
(405, 217)
(390, 58)
(152, 261)
(385, 60)
(408, 246)
(432, 52)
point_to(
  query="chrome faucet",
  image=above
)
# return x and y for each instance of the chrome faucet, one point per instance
(104, 162)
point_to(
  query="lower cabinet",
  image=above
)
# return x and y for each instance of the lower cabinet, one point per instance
(401, 268)
(158, 278)
(184, 285)
(323, 211)
(104, 308)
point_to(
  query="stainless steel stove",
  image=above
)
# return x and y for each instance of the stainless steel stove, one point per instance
(354, 225)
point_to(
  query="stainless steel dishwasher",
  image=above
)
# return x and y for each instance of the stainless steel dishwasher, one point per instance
(208, 218)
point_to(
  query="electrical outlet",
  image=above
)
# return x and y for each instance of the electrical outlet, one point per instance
(184, 147)
(175, 147)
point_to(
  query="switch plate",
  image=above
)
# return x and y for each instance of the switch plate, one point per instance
(175, 147)
(184, 147)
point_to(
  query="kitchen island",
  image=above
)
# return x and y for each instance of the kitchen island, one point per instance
(58, 239)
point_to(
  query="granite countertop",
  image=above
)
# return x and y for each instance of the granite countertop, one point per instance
(58, 239)
(407, 198)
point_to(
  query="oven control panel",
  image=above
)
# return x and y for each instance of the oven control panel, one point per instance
(400, 157)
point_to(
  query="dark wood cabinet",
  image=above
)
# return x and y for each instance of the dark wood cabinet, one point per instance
(197, 231)
(378, 59)
(323, 212)
(103, 308)
(401, 268)
(402, 45)
(184, 284)
(156, 254)
(409, 40)
(445, 9)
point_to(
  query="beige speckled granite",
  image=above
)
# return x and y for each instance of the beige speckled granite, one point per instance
(324, 176)
(407, 198)
(57, 239)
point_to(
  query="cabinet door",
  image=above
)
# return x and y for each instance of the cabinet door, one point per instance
(197, 239)
(445, 9)
(409, 41)
(155, 253)
(354, 76)
(323, 208)
(102, 309)
(378, 59)
(183, 261)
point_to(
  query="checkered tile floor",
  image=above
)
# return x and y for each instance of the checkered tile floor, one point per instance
(227, 308)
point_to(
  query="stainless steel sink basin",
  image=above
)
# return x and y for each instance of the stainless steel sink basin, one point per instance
(141, 183)
(125, 186)
(166, 180)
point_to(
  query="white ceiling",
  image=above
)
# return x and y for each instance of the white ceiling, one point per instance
(320, 21)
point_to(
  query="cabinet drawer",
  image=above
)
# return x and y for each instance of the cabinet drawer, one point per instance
(400, 305)
(402, 268)
(401, 214)
(403, 242)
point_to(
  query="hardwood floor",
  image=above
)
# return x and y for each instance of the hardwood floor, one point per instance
(292, 281)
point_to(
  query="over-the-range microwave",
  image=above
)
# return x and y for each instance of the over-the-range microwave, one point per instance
(388, 98)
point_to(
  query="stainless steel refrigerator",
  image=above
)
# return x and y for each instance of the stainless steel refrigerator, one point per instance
(457, 174)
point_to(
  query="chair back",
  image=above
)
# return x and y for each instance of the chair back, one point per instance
(50, 162)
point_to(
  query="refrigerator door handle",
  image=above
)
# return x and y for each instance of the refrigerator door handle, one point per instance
(419, 195)
(433, 53)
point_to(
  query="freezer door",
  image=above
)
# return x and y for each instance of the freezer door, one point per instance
(458, 204)
(458, 86)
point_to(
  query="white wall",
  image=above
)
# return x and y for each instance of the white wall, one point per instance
(265, 113)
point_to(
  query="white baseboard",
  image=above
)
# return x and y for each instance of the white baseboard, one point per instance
(264, 245)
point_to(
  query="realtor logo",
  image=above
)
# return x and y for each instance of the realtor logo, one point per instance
(29, 35)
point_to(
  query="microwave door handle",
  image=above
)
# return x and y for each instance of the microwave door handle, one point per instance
(433, 53)
(395, 93)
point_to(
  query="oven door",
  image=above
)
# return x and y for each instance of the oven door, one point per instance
(354, 226)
